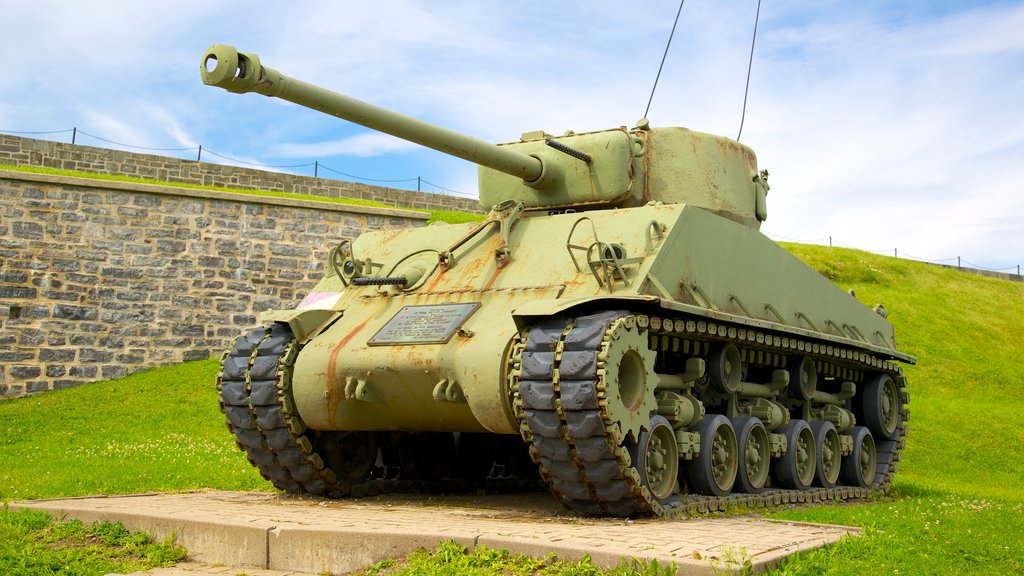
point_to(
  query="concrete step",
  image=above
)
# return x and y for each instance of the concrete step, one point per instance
(260, 530)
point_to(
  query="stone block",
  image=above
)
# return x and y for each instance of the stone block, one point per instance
(81, 339)
(47, 281)
(129, 212)
(190, 355)
(118, 272)
(152, 332)
(62, 384)
(83, 371)
(96, 255)
(146, 200)
(19, 372)
(31, 337)
(69, 312)
(191, 330)
(61, 265)
(92, 355)
(23, 292)
(66, 296)
(130, 358)
(13, 277)
(210, 261)
(186, 302)
(15, 355)
(170, 246)
(55, 371)
(111, 371)
(131, 296)
(56, 355)
(243, 319)
(91, 279)
(129, 234)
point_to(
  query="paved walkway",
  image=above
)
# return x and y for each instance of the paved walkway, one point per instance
(289, 535)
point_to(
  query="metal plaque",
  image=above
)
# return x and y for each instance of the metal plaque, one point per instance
(430, 324)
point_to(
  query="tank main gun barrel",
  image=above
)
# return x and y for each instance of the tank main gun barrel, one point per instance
(238, 72)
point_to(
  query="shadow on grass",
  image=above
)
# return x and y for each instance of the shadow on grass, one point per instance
(902, 490)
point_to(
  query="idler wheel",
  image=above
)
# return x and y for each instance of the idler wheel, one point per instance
(881, 407)
(828, 453)
(656, 457)
(754, 454)
(797, 466)
(858, 468)
(714, 470)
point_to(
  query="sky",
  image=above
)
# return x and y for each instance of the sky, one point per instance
(892, 127)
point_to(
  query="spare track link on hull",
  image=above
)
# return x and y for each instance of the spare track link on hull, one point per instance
(254, 388)
(559, 396)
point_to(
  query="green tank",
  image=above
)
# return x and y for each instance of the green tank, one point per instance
(616, 328)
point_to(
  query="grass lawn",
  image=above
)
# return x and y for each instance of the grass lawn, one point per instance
(31, 543)
(955, 506)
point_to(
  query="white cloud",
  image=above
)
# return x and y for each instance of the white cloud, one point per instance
(898, 136)
(360, 146)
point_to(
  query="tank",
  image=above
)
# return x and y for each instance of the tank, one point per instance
(616, 329)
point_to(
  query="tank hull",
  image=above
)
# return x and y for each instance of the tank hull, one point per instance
(717, 270)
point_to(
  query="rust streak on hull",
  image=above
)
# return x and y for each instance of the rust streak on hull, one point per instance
(333, 384)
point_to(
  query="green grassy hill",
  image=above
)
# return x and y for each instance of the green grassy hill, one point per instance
(955, 508)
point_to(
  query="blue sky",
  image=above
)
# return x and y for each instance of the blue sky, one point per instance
(884, 124)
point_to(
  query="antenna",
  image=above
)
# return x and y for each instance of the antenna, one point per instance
(750, 64)
(660, 66)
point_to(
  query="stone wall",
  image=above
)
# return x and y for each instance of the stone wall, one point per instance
(18, 151)
(989, 273)
(99, 279)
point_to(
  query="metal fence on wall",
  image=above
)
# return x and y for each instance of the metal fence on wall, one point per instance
(199, 151)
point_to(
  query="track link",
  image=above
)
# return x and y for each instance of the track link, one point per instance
(254, 385)
(558, 393)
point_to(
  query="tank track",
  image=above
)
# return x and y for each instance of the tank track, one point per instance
(254, 387)
(254, 390)
(557, 388)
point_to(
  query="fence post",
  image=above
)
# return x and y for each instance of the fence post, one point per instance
(957, 261)
(316, 169)
(418, 179)
(829, 241)
(199, 157)
(895, 253)
(74, 133)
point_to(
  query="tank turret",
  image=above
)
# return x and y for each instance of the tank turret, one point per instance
(610, 168)
(616, 328)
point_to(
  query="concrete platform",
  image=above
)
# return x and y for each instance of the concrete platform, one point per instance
(288, 535)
